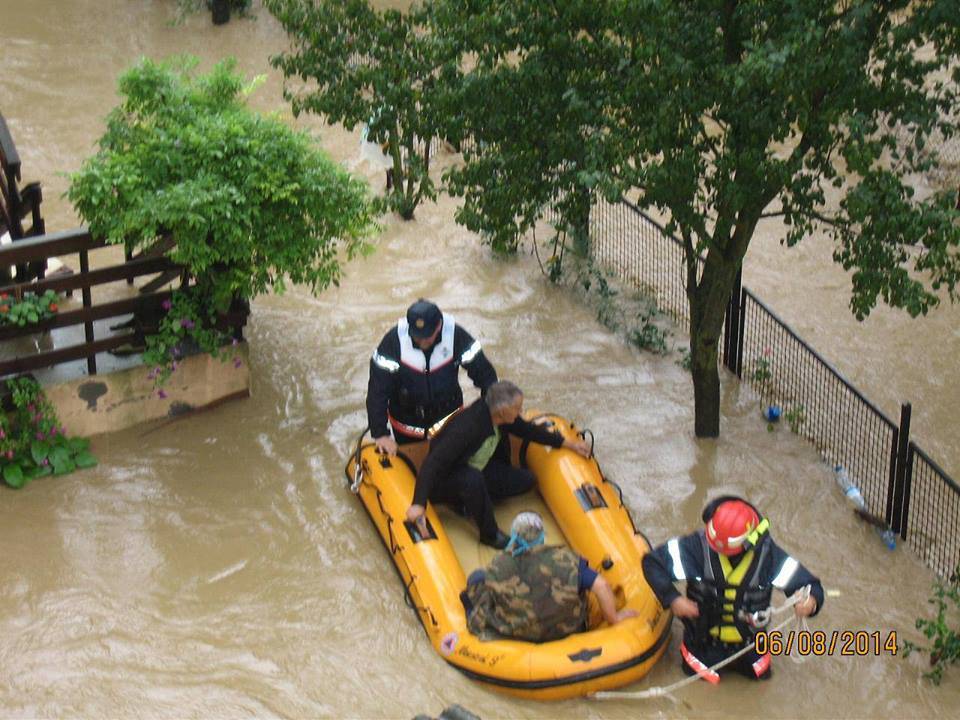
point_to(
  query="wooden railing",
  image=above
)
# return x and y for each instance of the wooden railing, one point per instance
(17, 202)
(147, 301)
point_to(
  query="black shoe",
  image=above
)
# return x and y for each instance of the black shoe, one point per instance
(498, 541)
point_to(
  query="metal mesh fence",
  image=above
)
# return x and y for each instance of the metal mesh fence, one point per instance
(816, 401)
(933, 513)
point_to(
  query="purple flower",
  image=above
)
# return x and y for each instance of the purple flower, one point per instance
(174, 366)
(187, 323)
(63, 429)
(166, 304)
(53, 432)
(45, 462)
(235, 342)
(151, 375)
(161, 394)
(39, 436)
(31, 408)
(237, 362)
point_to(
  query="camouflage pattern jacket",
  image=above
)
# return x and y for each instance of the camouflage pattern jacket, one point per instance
(533, 597)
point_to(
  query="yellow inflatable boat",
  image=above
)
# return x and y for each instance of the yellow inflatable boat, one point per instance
(587, 514)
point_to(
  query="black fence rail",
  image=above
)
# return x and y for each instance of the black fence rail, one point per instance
(898, 481)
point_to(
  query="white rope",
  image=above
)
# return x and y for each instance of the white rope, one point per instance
(656, 692)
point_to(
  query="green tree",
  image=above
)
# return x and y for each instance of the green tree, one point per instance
(720, 113)
(382, 68)
(250, 203)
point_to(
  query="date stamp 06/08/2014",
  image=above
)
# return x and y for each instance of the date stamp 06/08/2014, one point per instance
(820, 643)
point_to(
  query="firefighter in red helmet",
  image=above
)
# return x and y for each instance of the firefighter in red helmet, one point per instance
(730, 568)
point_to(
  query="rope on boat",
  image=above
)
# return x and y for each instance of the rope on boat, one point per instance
(667, 691)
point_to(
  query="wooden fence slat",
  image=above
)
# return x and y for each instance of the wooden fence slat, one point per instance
(132, 269)
(84, 315)
(62, 355)
(41, 247)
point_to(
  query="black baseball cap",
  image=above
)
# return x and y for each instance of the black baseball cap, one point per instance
(423, 317)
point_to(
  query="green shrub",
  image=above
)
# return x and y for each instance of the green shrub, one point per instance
(945, 647)
(33, 443)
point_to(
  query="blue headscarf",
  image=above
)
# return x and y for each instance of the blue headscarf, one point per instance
(526, 532)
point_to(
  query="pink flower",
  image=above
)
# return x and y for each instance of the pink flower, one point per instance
(235, 342)
(39, 436)
(2, 434)
(187, 323)
(45, 462)
(237, 362)
(53, 432)
(166, 304)
(161, 394)
(9, 454)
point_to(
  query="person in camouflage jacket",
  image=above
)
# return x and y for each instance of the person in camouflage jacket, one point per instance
(535, 592)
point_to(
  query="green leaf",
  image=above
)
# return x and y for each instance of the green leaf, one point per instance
(78, 444)
(59, 456)
(13, 475)
(85, 460)
(64, 467)
(39, 449)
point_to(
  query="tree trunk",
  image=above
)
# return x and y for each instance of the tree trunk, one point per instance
(708, 305)
(580, 222)
(706, 387)
(220, 9)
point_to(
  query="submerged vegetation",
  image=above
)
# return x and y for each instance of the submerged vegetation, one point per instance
(943, 630)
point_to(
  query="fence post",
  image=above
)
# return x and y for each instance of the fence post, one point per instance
(87, 303)
(732, 339)
(901, 500)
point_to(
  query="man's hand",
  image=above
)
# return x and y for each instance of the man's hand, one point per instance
(417, 514)
(806, 608)
(684, 608)
(579, 446)
(386, 444)
(626, 613)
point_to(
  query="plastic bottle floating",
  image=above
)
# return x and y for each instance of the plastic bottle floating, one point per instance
(855, 498)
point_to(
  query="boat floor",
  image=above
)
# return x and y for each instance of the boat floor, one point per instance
(466, 542)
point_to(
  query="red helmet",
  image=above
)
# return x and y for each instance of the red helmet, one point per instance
(729, 525)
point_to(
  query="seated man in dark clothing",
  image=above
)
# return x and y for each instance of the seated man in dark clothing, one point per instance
(469, 460)
(535, 592)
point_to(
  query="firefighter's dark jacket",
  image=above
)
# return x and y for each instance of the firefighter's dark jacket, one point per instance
(775, 568)
(463, 435)
(420, 398)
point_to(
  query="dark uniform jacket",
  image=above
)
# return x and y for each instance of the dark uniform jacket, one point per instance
(420, 388)
(463, 435)
(686, 559)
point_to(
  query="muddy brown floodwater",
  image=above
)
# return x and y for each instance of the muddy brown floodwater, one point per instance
(216, 566)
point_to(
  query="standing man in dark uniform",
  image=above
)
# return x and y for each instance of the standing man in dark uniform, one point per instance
(414, 375)
(731, 568)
